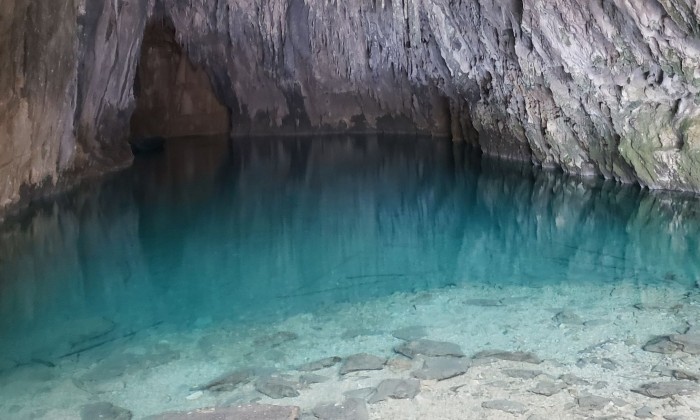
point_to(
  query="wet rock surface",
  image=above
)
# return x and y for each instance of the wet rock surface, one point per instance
(667, 389)
(441, 368)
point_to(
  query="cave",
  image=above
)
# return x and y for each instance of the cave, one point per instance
(174, 97)
(378, 209)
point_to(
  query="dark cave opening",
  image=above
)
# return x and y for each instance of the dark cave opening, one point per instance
(174, 97)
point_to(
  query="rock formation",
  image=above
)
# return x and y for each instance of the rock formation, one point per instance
(605, 87)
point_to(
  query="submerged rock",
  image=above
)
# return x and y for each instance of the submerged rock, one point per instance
(512, 407)
(441, 368)
(319, 364)
(512, 356)
(396, 389)
(228, 381)
(350, 409)
(361, 361)
(429, 348)
(104, 411)
(522, 373)
(688, 343)
(277, 388)
(547, 388)
(667, 389)
(661, 344)
(243, 412)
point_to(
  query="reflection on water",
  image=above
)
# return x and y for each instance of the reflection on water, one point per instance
(212, 230)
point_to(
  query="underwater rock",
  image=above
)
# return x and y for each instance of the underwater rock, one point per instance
(512, 407)
(593, 402)
(571, 379)
(277, 388)
(228, 381)
(310, 378)
(243, 412)
(361, 361)
(512, 356)
(667, 389)
(567, 318)
(604, 362)
(104, 410)
(396, 389)
(644, 413)
(685, 375)
(414, 332)
(429, 348)
(661, 344)
(547, 388)
(688, 343)
(319, 364)
(362, 393)
(350, 409)
(441, 368)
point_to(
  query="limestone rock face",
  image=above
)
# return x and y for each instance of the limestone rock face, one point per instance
(605, 88)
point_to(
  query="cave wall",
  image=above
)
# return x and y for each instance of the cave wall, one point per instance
(606, 87)
(173, 97)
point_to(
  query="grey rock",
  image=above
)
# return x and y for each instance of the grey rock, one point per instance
(429, 348)
(547, 388)
(688, 343)
(362, 393)
(604, 362)
(522, 373)
(441, 368)
(277, 388)
(571, 379)
(567, 317)
(616, 99)
(310, 378)
(685, 375)
(241, 412)
(513, 356)
(414, 332)
(104, 410)
(644, 413)
(319, 364)
(512, 407)
(593, 402)
(661, 344)
(361, 361)
(228, 381)
(350, 409)
(396, 389)
(667, 389)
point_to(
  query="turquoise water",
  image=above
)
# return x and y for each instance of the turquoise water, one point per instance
(254, 233)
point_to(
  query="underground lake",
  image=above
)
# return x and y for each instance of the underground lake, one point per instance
(349, 277)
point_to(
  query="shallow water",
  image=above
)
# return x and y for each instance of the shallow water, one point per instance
(187, 264)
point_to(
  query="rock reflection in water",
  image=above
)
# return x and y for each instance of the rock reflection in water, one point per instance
(215, 230)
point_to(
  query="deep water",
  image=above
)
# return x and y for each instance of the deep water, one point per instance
(254, 232)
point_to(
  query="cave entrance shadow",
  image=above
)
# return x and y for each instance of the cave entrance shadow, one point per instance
(174, 97)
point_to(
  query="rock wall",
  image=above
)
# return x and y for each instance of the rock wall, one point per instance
(605, 87)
